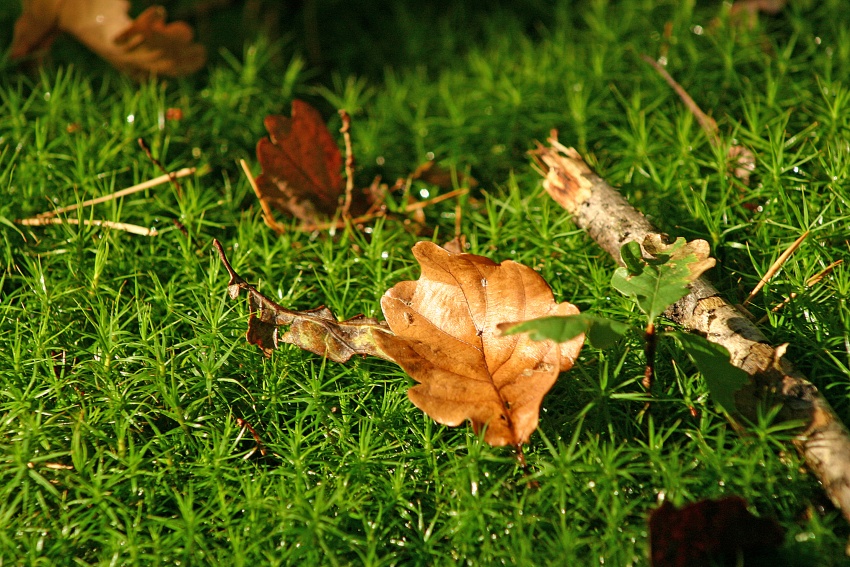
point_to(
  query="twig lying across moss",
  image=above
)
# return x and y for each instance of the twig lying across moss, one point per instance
(609, 219)
(126, 227)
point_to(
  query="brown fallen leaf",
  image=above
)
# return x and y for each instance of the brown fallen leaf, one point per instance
(141, 47)
(301, 166)
(442, 330)
(709, 532)
(301, 175)
(446, 338)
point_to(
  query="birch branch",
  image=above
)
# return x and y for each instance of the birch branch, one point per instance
(608, 218)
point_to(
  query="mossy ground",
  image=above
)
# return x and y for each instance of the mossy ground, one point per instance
(124, 372)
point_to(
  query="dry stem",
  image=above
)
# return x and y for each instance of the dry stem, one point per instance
(775, 267)
(707, 123)
(812, 281)
(132, 228)
(268, 216)
(122, 193)
(349, 162)
(439, 198)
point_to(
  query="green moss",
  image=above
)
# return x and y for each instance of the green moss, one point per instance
(124, 370)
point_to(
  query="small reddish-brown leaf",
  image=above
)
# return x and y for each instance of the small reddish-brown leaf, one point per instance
(316, 330)
(301, 164)
(446, 338)
(704, 532)
(146, 46)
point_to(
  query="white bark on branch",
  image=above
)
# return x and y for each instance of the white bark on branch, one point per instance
(608, 218)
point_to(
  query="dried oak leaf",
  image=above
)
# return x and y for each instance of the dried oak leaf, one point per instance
(301, 166)
(446, 338)
(141, 47)
(708, 531)
(442, 330)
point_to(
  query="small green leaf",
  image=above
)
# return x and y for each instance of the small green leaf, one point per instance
(662, 281)
(655, 289)
(712, 360)
(601, 332)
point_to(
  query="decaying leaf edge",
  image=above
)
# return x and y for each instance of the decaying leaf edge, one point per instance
(316, 330)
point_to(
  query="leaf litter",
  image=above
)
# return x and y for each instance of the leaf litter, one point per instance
(443, 331)
(139, 47)
(301, 176)
(446, 338)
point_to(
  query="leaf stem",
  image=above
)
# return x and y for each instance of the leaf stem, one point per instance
(268, 216)
(650, 342)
